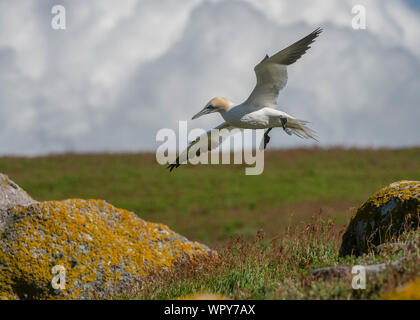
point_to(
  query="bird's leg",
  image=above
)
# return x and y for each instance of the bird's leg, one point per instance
(266, 137)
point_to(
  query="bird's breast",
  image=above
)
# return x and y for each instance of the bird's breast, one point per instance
(247, 118)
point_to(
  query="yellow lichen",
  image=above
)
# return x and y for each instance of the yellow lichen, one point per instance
(87, 237)
(385, 214)
(403, 190)
(411, 291)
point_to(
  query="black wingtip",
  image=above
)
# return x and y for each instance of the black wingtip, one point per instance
(313, 35)
(295, 51)
(317, 31)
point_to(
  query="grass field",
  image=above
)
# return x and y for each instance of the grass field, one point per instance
(280, 240)
(210, 203)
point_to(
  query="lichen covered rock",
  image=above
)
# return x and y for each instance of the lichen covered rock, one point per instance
(104, 250)
(387, 213)
(10, 195)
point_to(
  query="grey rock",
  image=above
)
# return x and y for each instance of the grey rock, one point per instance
(11, 195)
(345, 271)
(385, 215)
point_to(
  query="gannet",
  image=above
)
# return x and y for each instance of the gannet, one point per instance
(259, 110)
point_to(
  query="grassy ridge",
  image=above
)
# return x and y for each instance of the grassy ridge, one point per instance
(210, 203)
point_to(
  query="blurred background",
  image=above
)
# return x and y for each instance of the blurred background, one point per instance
(123, 70)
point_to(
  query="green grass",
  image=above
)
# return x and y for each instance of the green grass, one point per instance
(210, 203)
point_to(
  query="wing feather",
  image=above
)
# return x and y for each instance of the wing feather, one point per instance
(205, 140)
(271, 72)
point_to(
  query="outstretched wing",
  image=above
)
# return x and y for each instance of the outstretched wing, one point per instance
(206, 140)
(271, 72)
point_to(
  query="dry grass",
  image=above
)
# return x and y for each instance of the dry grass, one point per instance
(279, 268)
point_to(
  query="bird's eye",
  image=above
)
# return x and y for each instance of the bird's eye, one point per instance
(210, 107)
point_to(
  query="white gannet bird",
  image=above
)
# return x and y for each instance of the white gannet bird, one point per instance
(259, 110)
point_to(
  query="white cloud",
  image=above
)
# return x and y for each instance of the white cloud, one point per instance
(121, 71)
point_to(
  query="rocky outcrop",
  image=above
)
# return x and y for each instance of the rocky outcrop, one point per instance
(385, 214)
(11, 195)
(83, 249)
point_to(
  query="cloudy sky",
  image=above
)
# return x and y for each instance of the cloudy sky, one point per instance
(122, 70)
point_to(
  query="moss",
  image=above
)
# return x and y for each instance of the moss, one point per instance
(385, 214)
(98, 244)
(411, 291)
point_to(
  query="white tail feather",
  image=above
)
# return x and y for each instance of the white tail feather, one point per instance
(299, 128)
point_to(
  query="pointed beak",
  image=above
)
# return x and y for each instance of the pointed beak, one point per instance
(206, 110)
